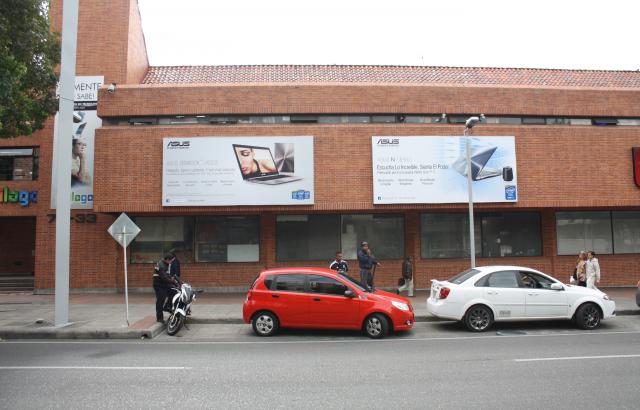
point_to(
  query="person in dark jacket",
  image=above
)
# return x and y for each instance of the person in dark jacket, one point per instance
(407, 276)
(162, 280)
(175, 265)
(339, 264)
(366, 261)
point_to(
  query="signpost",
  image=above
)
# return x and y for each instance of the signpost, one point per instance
(123, 230)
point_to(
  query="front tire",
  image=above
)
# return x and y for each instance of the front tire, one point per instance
(478, 318)
(588, 316)
(265, 324)
(376, 326)
(174, 324)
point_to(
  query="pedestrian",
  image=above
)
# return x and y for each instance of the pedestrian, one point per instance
(592, 270)
(175, 265)
(366, 261)
(580, 269)
(339, 264)
(162, 280)
(407, 277)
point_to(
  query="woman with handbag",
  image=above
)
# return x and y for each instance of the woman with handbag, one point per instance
(580, 271)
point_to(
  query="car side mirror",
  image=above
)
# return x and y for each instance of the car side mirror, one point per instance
(556, 286)
(349, 294)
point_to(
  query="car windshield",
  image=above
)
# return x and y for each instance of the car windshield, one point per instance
(354, 282)
(462, 276)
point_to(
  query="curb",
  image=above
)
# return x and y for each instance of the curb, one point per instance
(9, 333)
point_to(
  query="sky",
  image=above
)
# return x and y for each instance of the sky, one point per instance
(566, 34)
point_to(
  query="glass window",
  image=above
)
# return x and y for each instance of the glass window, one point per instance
(323, 284)
(228, 239)
(383, 118)
(19, 164)
(158, 235)
(533, 120)
(579, 231)
(511, 234)
(447, 236)
(290, 283)
(463, 276)
(385, 234)
(533, 280)
(502, 279)
(558, 121)
(626, 232)
(268, 281)
(307, 237)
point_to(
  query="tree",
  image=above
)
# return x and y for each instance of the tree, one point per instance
(29, 53)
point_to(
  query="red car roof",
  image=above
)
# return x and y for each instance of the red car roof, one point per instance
(307, 269)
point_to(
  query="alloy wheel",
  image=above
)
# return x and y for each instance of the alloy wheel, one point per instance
(591, 317)
(374, 326)
(479, 319)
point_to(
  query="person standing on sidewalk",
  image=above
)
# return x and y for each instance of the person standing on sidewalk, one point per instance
(162, 279)
(592, 270)
(366, 261)
(175, 265)
(407, 276)
(580, 269)
(339, 264)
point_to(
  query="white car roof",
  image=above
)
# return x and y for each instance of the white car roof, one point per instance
(495, 268)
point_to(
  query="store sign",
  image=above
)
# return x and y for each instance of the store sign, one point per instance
(222, 171)
(636, 164)
(433, 169)
(85, 122)
(24, 198)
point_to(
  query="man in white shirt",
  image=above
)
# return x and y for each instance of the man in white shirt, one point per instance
(592, 269)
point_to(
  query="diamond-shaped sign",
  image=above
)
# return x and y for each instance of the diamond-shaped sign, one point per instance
(123, 230)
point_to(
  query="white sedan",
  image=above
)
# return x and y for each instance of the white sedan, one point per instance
(480, 296)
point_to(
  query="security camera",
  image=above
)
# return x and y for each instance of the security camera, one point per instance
(112, 88)
(471, 122)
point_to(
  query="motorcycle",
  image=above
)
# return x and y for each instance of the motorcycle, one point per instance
(180, 307)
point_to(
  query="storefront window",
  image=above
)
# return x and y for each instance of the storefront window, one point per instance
(511, 234)
(318, 237)
(496, 235)
(227, 239)
(385, 234)
(18, 164)
(307, 237)
(580, 231)
(447, 236)
(626, 232)
(158, 235)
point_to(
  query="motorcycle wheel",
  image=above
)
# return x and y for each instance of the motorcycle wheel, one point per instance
(174, 324)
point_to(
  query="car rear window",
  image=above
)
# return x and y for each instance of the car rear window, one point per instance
(463, 276)
(268, 281)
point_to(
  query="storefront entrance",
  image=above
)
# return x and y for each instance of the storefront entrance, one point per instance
(17, 246)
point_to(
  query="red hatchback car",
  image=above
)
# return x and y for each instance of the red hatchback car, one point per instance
(322, 299)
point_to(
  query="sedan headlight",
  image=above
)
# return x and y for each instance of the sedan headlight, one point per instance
(605, 296)
(400, 305)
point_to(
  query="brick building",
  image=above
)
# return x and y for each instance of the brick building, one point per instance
(574, 133)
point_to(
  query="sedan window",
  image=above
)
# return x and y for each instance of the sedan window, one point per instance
(503, 279)
(533, 280)
(290, 283)
(323, 284)
(463, 276)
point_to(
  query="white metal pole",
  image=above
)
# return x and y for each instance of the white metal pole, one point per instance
(126, 280)
(63, 160)
(472, 243)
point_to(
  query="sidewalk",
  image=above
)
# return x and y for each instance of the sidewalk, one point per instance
(102, 316)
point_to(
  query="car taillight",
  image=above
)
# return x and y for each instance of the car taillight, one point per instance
(444, 292)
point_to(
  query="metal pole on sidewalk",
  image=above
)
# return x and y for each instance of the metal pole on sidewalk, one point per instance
(63, 159)
(472, 239)
(126, 280)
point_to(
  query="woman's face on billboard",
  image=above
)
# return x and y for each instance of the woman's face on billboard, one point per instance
(246, 157)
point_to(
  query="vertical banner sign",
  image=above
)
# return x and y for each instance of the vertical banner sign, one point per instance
(85, 122)
(432, 170)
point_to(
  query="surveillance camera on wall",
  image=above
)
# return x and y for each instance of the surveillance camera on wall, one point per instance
(112, 88)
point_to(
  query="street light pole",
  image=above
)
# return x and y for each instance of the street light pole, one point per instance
(472, 240)
(63, 159)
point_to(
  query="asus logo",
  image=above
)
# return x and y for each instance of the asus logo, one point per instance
(178, 144)
(388, 141)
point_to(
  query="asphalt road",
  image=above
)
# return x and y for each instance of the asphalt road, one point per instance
(437, 365)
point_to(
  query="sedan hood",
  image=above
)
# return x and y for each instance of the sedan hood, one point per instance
(581, 290)
(381, 294)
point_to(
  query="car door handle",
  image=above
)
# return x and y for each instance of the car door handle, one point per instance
(533, 294)
(317, 299)
(491, 292)
(275, 296)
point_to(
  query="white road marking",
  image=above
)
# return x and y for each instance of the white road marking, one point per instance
(353, 340)
(551, 359)
(91, 368)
